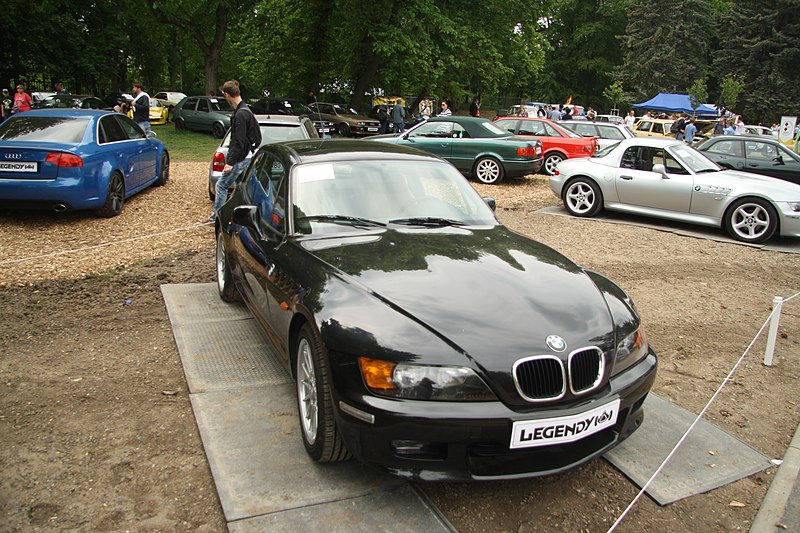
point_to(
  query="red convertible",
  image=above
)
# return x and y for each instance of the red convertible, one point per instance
(558, 143)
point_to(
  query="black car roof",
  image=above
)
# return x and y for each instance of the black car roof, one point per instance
(329, 150)
(473, 125)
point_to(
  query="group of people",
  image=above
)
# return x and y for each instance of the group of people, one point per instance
(22, 101)
(19, 103)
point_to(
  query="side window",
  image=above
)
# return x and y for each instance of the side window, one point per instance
(459, 132)
(190, 104)
(610, 132)
(643, 125)
(129, 127)
(761, 151)
(550, 130)
(673, 167)
(270, 192)
(586, 130)
(110, 130)
(532, 127)
(162, 96)
(202, 105)
(507, 125)
(433, 129)
(730, 148)
(629, 157)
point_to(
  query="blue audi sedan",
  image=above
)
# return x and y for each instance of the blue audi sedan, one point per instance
(65, 159)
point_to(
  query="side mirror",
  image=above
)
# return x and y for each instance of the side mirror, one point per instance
(151, 134)
(658, 168)
(778, 160)
(490, 202)
(245, 215)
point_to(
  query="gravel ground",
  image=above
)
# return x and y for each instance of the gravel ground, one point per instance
(97, 430)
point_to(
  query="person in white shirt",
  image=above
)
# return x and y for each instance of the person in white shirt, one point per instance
(630, 119)
(445, 112)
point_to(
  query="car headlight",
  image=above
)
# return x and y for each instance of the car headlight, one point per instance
(630, 350)
(794, 206)
(423, 382)
(362, 124)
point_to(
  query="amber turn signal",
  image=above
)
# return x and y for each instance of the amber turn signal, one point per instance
(377, 374)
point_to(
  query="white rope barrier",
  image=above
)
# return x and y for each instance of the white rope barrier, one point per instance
(112, 243)
(699, 416)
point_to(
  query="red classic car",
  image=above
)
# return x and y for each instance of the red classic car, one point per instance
(558, 143)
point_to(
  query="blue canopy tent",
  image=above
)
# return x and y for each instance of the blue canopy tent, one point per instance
(676, 103)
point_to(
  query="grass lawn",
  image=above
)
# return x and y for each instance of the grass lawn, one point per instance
(186, 145)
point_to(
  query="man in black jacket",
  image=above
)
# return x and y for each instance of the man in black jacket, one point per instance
(141, 106)
(245, 138)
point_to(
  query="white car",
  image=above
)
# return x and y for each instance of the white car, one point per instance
(668, 179)
(169, 99)
(607, 133)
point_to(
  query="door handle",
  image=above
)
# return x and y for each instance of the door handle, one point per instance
(627, 178)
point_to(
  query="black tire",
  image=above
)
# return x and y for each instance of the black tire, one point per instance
(582, 197)
(321, 437)
(488, 170)
(163, 171)
(551, 161)
(751, 220)
(115, 197)
(218, 130)
(212, 194)
(180, 125)
(227, 289)
(343, 129)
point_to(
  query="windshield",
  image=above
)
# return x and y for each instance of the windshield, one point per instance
(344, 110)
(605, 151)
(696, 161)
(402, 192)
(47, 129)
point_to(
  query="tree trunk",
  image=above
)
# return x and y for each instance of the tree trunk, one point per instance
(364, 80)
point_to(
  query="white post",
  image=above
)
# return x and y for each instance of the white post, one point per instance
(777, 303)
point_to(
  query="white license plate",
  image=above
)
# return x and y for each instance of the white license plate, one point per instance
(372, 129)
(529, 434)
(324, 130)
(19, 166)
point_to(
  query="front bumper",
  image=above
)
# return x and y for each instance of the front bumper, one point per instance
(461, 441)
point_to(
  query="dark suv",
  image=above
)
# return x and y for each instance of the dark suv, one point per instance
(291, 106)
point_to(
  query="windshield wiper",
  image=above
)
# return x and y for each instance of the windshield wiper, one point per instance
(339, 219)
(427, 221)
(709, 170)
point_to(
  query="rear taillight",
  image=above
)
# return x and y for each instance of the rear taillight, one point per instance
(525, 152)
(218, 163)
(64, 160)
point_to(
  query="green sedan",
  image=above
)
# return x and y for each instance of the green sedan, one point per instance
(475, 146)
(203, 113)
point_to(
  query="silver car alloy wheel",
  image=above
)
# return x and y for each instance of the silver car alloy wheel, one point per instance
(580, 197)
(488, 171)
(551, 162)
(221, 263)
(307, 390)
(750, 221)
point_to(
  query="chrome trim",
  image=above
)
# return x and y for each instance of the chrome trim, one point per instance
(356, 413)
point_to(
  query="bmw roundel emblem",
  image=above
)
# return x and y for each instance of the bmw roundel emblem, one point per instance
(556, 343)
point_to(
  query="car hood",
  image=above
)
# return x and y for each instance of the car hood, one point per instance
(492, 294)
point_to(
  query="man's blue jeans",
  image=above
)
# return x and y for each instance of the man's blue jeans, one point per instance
(224, 183)
(399, 127)
(145, 125)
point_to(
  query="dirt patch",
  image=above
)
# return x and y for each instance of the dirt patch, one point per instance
(97, 429)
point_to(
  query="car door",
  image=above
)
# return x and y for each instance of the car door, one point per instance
(119, 151)
(189, 113)
(643, 128)
(771, 160)
(435, 137)
(728, 153)
(637, 184)
(142, 152)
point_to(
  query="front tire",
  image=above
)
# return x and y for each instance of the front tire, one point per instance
(163, 172)
(180, 125)
(751, 220)
(488, 170)
(227, 289)
(582, 197)
(551, 162)
(321, 437)
(344, 130)
(115, 197)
